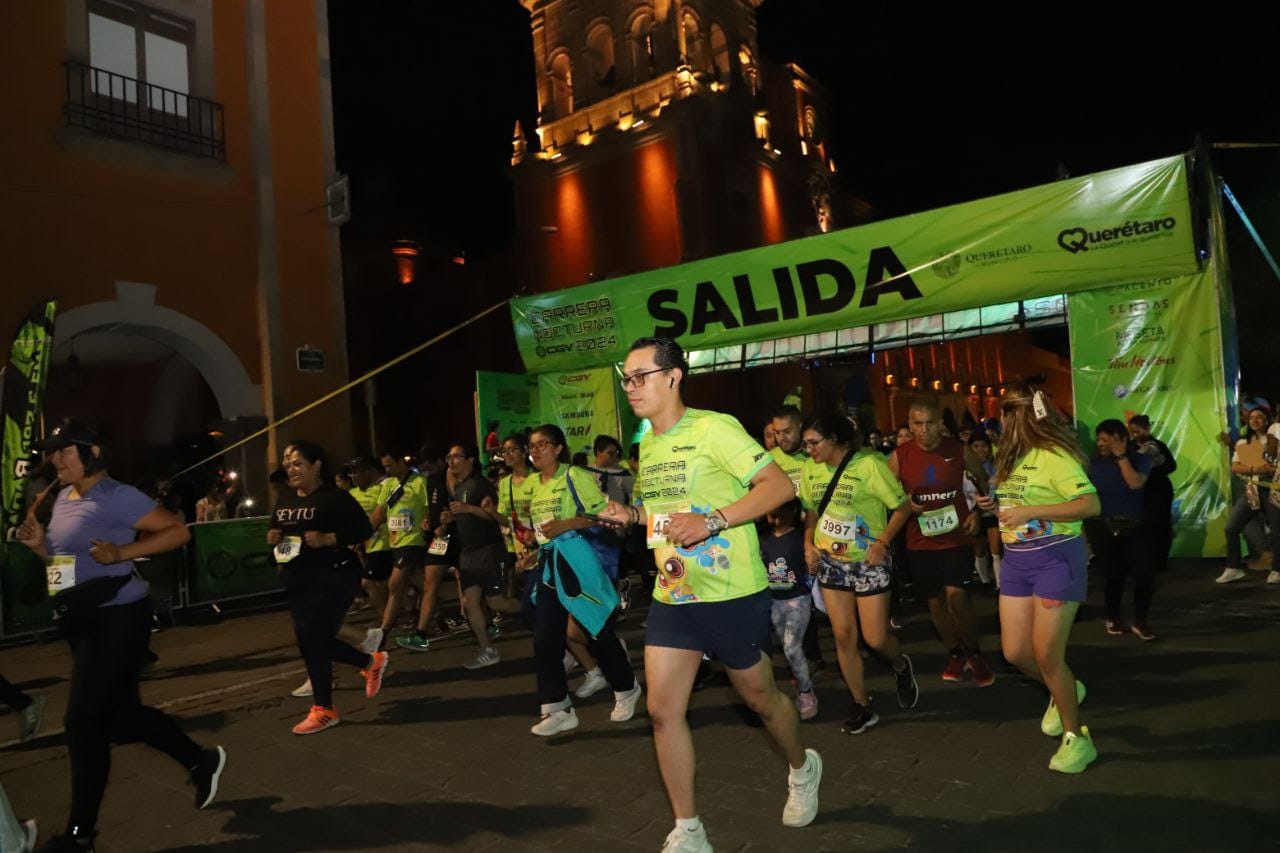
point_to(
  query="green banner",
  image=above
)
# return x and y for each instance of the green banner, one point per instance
(1129, 224)
(230, 559)
(1155, 348)
(505, 403)
(22, 403)
(584, 403)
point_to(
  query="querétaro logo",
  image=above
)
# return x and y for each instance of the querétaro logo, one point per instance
(1076, 240)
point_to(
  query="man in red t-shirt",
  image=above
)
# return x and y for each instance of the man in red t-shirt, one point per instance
(939, 549)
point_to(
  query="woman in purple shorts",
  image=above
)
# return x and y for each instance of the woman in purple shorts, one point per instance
(1042, 495)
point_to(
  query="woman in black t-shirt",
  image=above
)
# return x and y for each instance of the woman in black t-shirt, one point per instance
(313, 530)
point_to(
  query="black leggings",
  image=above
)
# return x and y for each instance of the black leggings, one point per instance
(105, 706)
(12, 696)
(1130, 551)
(318, 600)
(551, 623)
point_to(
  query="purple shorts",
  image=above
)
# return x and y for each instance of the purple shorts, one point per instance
(1058, 572)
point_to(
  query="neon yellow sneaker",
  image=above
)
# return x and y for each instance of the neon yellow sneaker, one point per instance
(1051, 723)
(1075, 754)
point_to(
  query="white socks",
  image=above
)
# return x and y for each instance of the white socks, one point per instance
(688, 824)
(983, 566)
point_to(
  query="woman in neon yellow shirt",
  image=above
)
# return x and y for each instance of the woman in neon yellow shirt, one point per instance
(558, 497)
(1042, 495)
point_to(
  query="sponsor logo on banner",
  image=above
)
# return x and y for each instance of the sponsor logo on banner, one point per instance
(1003, 255)
(1126, 338)
(1076, 240)
(947, 265)
(570, 378)
(1138, 307)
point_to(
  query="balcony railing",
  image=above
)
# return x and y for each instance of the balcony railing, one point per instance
(113, 104)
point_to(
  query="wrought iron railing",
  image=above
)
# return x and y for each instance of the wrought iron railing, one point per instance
(113, 104)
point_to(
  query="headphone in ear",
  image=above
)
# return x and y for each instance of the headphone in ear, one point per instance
(671, 383)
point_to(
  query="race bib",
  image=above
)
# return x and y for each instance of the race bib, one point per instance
(935, 522)
(656, 536)
(61, 573)
(539, 533)
(289, 548)
(439, 546)
(400, 522)
(837, 529)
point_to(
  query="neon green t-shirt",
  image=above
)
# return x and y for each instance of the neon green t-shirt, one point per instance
(404, 520)
(369, 500)
(1042, 478)
(509, 490)
(554, 500)
(859, 508)
(792, 466)
(704, 462)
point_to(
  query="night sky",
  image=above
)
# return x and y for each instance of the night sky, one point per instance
(925, 111)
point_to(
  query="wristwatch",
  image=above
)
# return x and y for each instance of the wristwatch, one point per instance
(716, 523)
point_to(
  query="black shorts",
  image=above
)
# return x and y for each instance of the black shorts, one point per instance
(409, 558)
(448, 558)
(735, 632)
(378, 565)
(933, 570)
(482, 566)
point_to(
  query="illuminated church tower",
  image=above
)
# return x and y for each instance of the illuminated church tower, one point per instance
(664, 139)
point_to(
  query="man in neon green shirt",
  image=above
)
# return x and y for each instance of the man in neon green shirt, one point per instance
(404, 511)
(788, 453)
(370, 491)
(702, 482)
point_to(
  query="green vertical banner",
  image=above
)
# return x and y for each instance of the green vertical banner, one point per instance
(584, 403)
(505, 402)
(21, 402)
(1155, 348)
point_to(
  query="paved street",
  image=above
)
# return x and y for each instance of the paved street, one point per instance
(442, 759)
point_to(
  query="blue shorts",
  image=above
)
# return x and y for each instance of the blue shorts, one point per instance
(1059, 572)
(735, 632)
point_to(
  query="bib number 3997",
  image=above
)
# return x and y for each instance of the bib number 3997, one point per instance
(834, 528)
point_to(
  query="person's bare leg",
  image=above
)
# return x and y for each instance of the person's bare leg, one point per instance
(778, 713)
(669, 675)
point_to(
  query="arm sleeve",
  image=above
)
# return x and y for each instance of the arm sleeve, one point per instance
(588, 491)
(883, 484)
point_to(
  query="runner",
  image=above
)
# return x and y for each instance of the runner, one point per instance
(783, 551)
(371, 491)
(313, 532)
(931, 469)
(1042, 495)
(105, 613)
(571, 587)
(848, 495)
(702, 483)
(473, 508)
(404, 512)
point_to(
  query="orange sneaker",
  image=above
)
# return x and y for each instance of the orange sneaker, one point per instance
(373, 675)
(317, 721)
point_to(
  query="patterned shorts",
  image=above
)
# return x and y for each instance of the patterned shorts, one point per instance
(858, 578)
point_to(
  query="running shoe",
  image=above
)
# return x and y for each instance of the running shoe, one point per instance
(1143, 633)
(1228, 575)
(624, 704)
(303, 690)
(415, 642)
(372, 640)
(982, 674)
(908, 690)
(317, 720)
(802, 791)
(565, 720)
(30, 834)
(205, 775)
(1075, 753)
(861, 719)
(687, 841)
(493, 631)
(624, 594)
(1273, 578)
(30, 718)
(1051, 722)
(456, 625)
(373, 675)
(591, 685)
(1115, 629)
(358, 606)
(955, 668)
(807, 705)
(488, 657)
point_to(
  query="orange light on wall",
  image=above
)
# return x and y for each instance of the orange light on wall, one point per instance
(915, 382)
(937, 384)
(575, 230)
(406, 255)
(888, 379)
(770, 209)
(973, 389)
(955, 387)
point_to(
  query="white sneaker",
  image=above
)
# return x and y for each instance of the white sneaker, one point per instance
(570, 663)
(556, 722)
(29, 836)
(593, 684)
(372, 641)
(687, 841)
(1228, 575)
(1274, 577)
(802, 791)
(304, 690)
(624, 704)
(488, 657)
(31, 717)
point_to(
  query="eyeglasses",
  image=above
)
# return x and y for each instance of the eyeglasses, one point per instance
(455, 457)
(507, 451)
(539, 446)
(814, 442)
(636, 380)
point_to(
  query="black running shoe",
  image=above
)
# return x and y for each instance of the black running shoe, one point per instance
(908, 690)
(205, 775)
(860, 719)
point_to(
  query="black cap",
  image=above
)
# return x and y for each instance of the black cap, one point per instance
(72, 431)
